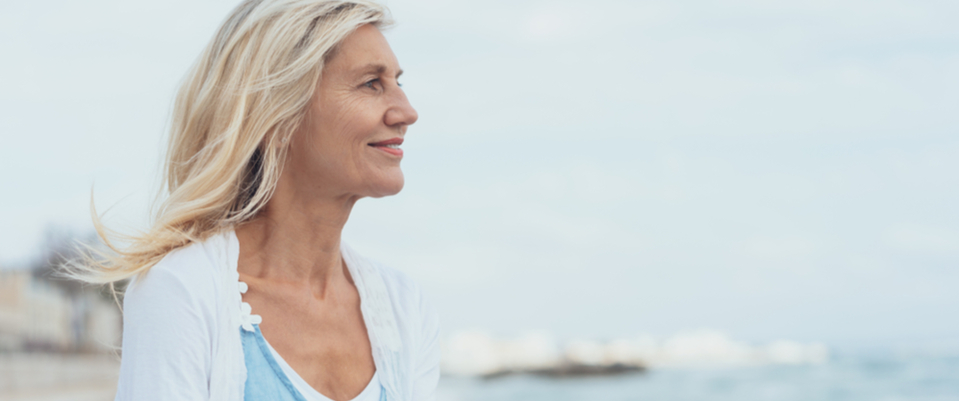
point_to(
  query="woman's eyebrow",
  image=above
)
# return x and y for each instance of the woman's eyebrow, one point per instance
(375, 68)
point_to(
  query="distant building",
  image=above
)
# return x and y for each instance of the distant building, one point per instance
(36, 315)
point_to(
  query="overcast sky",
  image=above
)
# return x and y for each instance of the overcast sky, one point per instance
(599, 169)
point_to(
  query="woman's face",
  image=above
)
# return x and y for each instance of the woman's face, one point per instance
(348, 143)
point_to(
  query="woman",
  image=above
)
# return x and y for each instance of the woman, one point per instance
(242, 289)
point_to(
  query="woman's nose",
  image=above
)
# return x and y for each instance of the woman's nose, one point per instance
(401, 112)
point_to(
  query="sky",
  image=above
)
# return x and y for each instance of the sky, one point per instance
(593, 169)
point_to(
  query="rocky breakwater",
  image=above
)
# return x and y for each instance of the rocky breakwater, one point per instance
(477, 353)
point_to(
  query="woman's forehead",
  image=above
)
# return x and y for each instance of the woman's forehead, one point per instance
(364, 51)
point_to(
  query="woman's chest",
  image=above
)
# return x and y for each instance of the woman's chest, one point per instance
(325, 342)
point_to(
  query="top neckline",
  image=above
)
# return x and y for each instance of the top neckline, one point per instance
(369, 393)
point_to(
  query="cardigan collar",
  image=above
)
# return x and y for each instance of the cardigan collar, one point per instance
(375, 306)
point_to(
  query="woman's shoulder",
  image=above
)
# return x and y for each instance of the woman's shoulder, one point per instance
(190, 271)
(402, 288)
(398, 281)
(406, 294)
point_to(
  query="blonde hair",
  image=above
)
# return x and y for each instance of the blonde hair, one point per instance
(232, 118)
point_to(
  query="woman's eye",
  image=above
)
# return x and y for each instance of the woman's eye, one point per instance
(371, 84)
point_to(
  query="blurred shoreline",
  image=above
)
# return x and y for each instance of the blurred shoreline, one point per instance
(50, 376)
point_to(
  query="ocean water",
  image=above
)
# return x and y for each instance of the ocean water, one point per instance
(841, 378)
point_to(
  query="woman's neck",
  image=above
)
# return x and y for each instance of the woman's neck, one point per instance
(297, 242)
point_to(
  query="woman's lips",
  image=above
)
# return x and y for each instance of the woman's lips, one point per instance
(391, 146)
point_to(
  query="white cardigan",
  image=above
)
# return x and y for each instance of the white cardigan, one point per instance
(182, 320)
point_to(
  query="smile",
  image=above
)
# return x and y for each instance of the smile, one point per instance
(391, 146)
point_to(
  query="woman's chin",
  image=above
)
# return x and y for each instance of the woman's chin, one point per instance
(387, 186)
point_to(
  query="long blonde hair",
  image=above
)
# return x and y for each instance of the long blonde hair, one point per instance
(232, 119)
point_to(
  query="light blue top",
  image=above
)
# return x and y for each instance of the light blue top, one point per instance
(266, 380)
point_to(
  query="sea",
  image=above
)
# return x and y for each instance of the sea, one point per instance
(851, 377)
